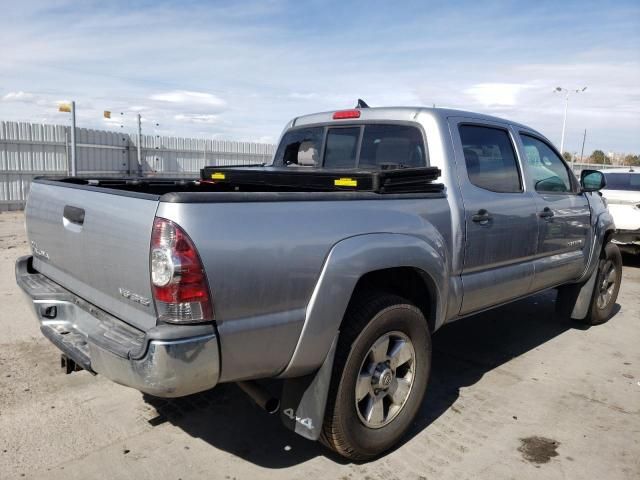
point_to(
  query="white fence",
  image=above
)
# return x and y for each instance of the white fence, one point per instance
(28, 150)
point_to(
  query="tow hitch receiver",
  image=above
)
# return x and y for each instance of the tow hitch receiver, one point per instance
(69, 365)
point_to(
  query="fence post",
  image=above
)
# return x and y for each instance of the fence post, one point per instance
(66, 149)
(73, 139)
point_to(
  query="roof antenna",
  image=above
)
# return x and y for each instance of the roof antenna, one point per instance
(362, 104)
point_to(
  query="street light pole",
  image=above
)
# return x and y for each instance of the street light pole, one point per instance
(566, 107)
(564, 121)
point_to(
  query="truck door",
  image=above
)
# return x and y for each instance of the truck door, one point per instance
(562, 210)
(501, 227)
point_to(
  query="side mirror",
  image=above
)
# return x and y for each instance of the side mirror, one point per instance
(592, 180)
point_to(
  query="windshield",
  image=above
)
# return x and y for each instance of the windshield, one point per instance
(371, 147)
(623, 181)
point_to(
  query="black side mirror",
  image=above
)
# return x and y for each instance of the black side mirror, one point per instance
(592, 180)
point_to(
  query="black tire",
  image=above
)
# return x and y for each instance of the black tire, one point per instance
(599, 312)
(369, 317)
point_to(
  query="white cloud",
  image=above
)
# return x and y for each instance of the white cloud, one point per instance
(185, 97)
(197, 118)
(496, 94)
(18, 97)
(247, 65)
(266, 139)
(303, 96)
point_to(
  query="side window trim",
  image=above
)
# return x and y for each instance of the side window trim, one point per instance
(572, 179)
(323, 146)
(359, 146)
(516, 153)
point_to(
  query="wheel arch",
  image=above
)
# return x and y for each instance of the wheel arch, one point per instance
(411, 283)
(358, 262)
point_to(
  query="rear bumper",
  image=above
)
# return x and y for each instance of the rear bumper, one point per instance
(166, 361)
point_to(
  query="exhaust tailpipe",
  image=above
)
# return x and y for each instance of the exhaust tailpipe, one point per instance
(261, 396)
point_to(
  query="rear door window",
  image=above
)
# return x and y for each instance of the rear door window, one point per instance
(490, 158)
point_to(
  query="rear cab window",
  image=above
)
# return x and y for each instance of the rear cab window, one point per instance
(341, 147)
(368, 146)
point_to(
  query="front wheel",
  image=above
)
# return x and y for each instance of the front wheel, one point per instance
(379, 378)
(605, 291)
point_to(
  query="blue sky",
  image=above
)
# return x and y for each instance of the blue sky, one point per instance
(240, 70)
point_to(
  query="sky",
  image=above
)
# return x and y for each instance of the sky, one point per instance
(241, 70)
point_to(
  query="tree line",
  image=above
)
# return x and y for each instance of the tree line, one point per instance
(601, 158)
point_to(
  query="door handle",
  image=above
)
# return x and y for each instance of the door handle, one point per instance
(482, 217)
(546, 213)
(73, 214)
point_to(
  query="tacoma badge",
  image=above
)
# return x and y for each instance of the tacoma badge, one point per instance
(134, 297)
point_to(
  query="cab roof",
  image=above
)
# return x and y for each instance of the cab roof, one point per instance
(397, 113)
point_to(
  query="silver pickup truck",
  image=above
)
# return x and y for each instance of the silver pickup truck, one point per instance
(327, 271)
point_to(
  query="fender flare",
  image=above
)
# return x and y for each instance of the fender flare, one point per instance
(345, 264)
(574, 299)
(603, 227)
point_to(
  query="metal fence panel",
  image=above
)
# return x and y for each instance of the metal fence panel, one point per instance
(28, 150)
(578, 167)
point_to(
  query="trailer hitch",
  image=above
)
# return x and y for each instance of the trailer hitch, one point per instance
(69, 365)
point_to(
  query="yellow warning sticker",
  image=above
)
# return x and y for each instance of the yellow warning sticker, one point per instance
(345, 182)
(217, 176)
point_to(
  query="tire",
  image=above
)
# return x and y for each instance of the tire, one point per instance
(609, 270)
(370, 318)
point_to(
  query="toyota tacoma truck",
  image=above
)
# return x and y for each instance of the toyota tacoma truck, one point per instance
(328, 270)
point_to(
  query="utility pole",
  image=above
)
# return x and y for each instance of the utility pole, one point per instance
(139, 146)
(584, 138)
(73, 140)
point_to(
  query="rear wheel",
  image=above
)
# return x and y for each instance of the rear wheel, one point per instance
(379, 378)
(605, 291)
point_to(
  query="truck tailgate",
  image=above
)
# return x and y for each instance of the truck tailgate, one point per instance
(96, 245)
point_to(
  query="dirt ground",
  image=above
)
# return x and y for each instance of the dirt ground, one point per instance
(515, 393)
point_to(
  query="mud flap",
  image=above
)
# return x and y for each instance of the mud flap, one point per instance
(575, 300)
(304, 399)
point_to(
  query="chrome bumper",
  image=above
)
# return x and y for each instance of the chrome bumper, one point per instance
(166, 361)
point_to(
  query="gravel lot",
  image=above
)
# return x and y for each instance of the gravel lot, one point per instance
(516, 393)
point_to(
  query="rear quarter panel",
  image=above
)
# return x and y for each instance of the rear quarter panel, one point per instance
(263, 260)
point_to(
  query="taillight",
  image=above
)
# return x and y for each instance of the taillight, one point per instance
(343, 114)
(179, 283)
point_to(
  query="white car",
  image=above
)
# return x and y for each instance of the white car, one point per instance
(623, 196)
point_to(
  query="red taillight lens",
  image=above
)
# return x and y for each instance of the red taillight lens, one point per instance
(342, 114)
(179, 283)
